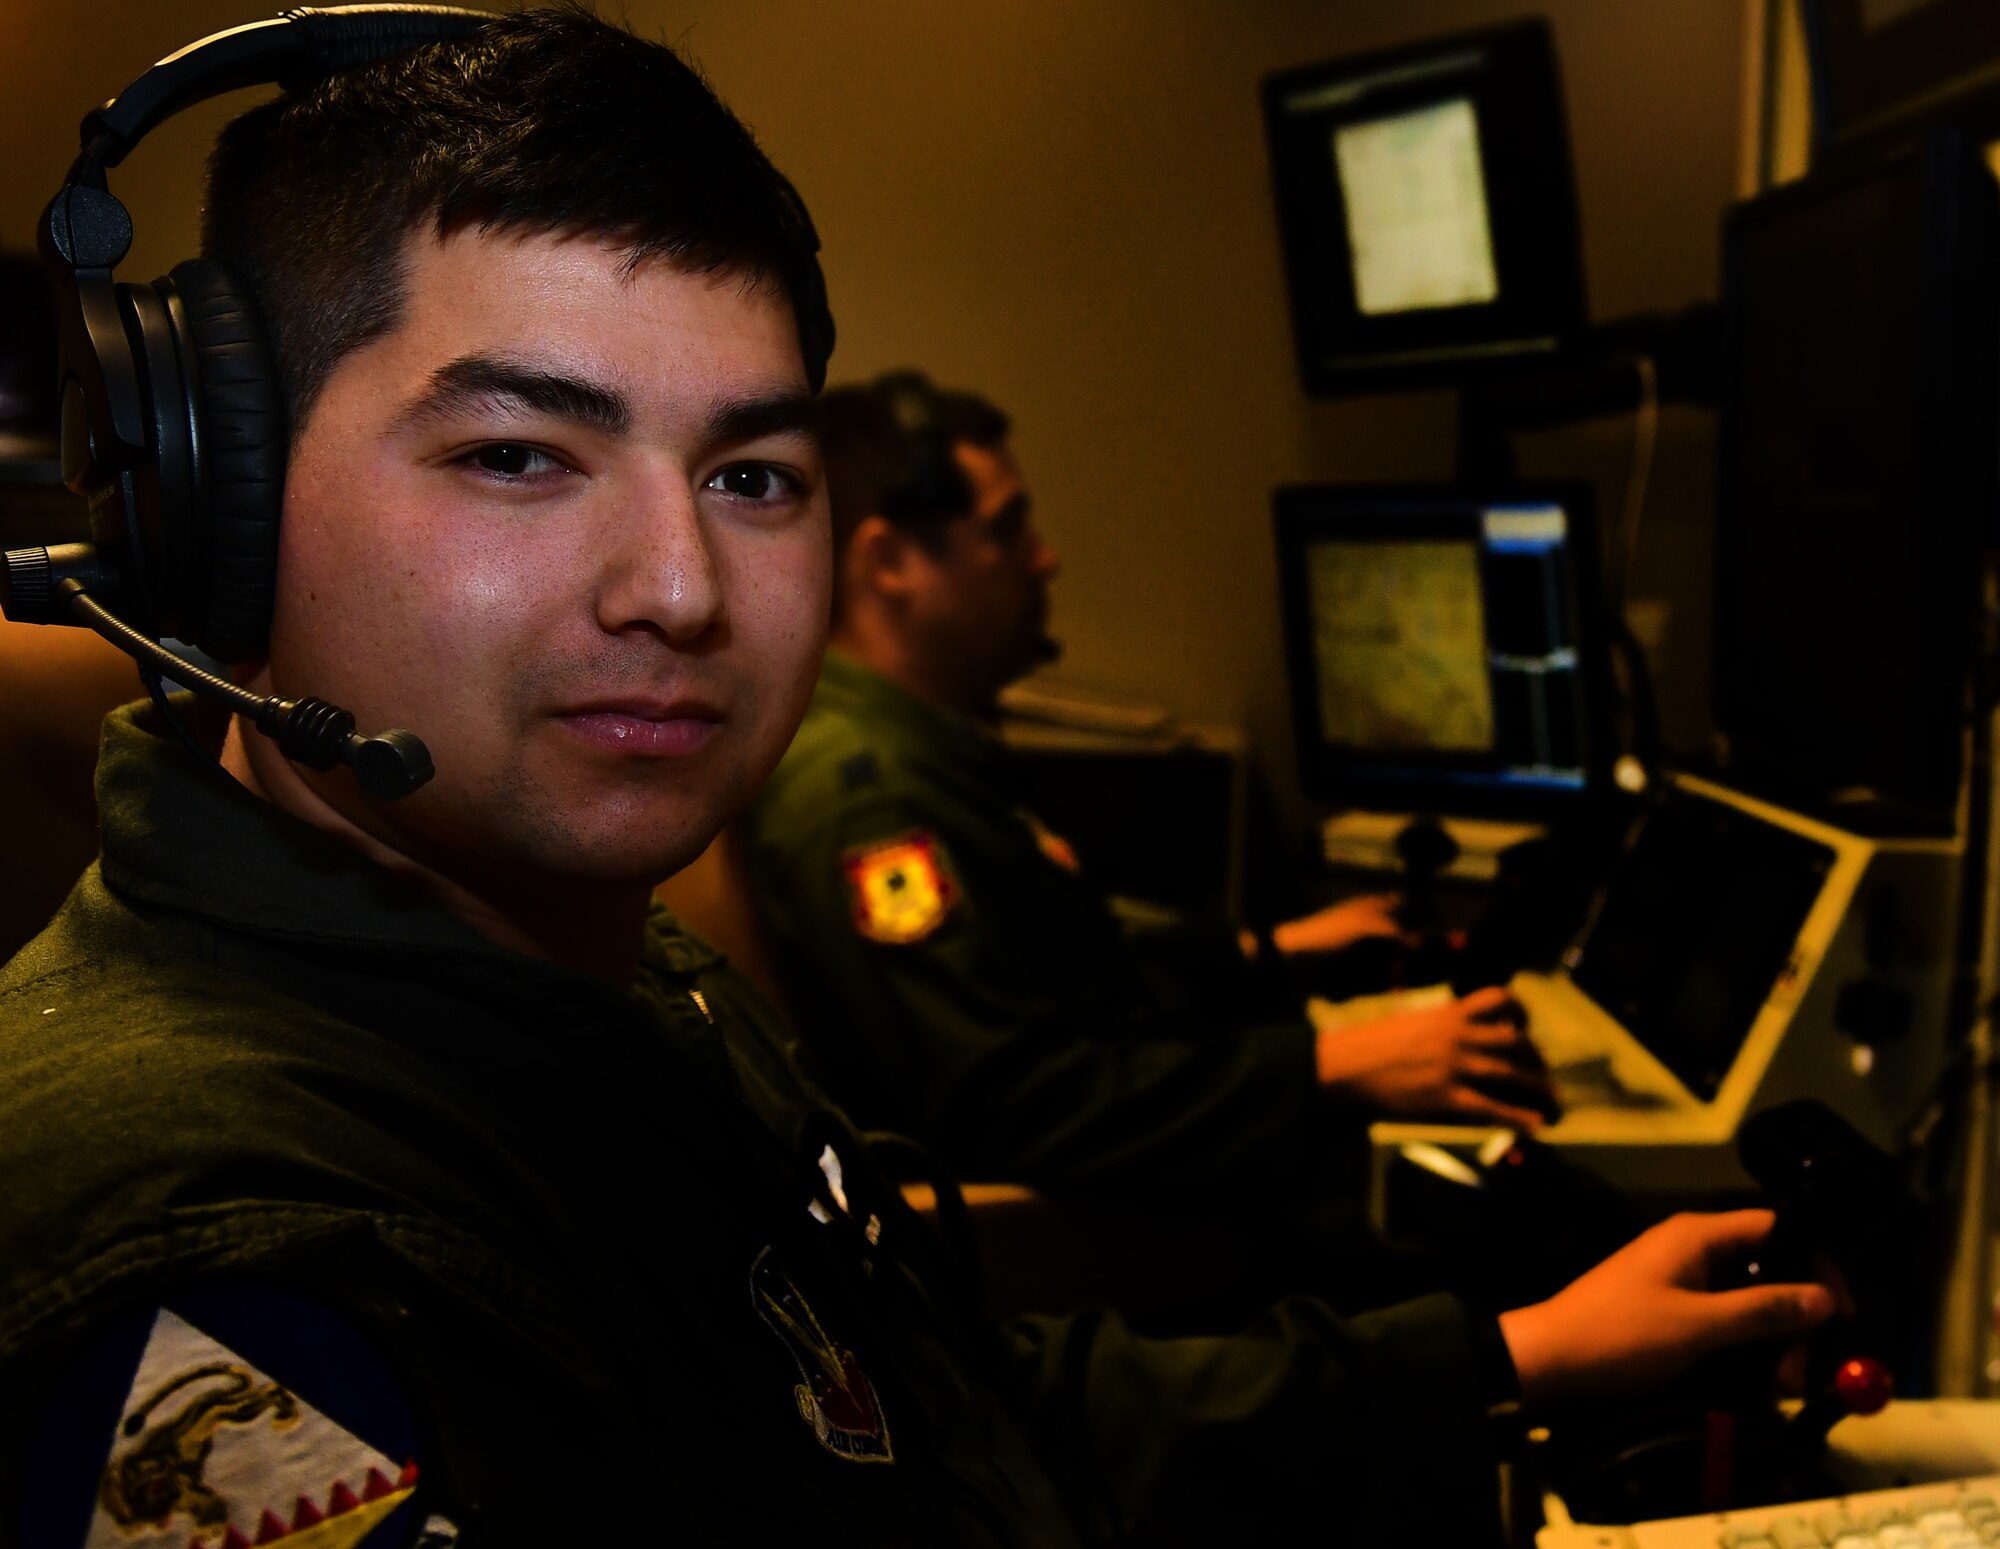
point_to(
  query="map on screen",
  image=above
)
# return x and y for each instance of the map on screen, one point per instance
(1399, 638)
(1417, 223)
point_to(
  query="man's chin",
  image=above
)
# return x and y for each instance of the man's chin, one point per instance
(615, 845)
(627, 862)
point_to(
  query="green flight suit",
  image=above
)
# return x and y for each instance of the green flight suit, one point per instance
(609, 1260)
(1023, 1035)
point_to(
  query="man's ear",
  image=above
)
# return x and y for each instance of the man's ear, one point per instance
(878, 558)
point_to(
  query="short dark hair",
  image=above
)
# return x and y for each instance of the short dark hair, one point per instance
(541, 122)
(878, 465)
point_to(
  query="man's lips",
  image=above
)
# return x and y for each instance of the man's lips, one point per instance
(663, 728)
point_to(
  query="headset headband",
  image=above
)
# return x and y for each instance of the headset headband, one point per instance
(86, 228)
(291, 50)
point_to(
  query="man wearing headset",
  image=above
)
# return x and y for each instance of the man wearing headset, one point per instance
(951, 962)
(378, 1171)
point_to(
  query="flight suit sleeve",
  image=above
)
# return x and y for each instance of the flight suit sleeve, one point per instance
(1200, 959)
(1375, 1428)
(958, 995)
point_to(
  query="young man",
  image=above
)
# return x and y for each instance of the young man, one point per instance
(381, 1173)
(957, 972)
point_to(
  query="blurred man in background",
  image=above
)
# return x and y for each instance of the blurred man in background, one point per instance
(953, 965)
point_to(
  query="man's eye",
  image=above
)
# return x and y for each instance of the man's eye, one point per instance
(511, 460)
(754, 481)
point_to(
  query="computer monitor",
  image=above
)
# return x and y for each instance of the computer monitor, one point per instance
(1857, 483)
(1697, 928)
(1445, 646)
(1875, 62)
(1428, 211)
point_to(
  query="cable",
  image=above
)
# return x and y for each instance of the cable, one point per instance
(1645, 437)
(156, 690)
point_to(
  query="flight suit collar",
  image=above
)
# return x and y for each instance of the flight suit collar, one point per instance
(184, 838)
(850, 688)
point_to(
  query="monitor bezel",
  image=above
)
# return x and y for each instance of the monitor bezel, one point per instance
(1304, 513)
(1515, 87)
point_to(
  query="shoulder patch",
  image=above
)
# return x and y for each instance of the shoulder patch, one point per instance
(834, 1396)
(900, 888)
(169, 1437)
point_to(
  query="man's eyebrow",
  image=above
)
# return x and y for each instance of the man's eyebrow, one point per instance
(774, 414)
(473, 380)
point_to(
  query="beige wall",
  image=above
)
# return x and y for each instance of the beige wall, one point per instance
(1064, 203)
(59, 58)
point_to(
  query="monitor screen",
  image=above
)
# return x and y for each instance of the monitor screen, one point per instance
(1695, 928)
(1415, 195)
(1443, 645)
(1427, 209)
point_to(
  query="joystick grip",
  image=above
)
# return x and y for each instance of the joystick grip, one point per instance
(1863, 1385)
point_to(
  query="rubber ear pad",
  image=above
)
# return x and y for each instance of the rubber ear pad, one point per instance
(240, 436)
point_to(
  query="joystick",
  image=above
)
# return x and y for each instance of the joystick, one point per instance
(1424, 849)
(1724, 1443)
(1863, 1386)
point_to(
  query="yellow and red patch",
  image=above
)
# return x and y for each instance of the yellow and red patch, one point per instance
(901, 889)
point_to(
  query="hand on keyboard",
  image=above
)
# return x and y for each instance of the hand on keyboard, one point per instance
(1646, 1314)
(1466, 1061)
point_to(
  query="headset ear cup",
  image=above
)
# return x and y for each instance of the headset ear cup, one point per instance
(239, 420)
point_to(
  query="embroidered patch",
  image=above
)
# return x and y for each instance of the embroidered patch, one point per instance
(836, 1399)
(1052, 845)
(212, 1451)
(901, 890)
(191, 1443)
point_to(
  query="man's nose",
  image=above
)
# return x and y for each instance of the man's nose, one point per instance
(659, 570)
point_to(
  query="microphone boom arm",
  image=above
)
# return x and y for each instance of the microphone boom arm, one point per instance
(308, 731)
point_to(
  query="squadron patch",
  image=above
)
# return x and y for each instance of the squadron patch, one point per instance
(212, 1452)
(835, 1399)
(168, 1436)
(901, 889)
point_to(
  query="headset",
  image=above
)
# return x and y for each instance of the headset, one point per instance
(928, 482)
(173, 420)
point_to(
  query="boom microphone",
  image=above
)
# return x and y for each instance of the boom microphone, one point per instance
(38, 585)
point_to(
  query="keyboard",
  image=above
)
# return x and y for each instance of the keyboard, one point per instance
(1963, 1514)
